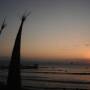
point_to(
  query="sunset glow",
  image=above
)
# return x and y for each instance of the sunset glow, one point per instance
(55, 29)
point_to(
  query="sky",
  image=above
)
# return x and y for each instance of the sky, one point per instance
(55, 28)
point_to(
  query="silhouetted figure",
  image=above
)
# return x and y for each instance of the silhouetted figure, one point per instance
(14, 78)
(2, 26)
(35, 66)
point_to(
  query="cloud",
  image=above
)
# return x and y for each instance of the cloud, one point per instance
(87, 44)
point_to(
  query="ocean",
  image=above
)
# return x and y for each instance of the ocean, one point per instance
(53, 75)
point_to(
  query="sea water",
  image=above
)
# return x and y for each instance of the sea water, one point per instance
(54, 76)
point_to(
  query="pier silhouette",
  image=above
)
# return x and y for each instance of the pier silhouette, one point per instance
(14, 77)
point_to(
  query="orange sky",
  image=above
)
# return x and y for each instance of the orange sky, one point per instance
(57, 29)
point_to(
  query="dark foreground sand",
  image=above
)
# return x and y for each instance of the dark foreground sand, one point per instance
(3, 87)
